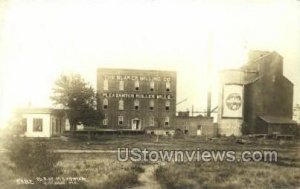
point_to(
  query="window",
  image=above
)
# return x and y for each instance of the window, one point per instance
(121, 86)
(105, 103)
(121, 104)
(24, 124)
(54, 124)
(167, 105)
(120, 120)
(37, 124)
(105, 120)
(105, 85)
(168, 86)
(167, 120)
(136, 104)
(137, 85)
(60, 126)
(151, 105)
(152, 86)
(151, 121)
(57, 126)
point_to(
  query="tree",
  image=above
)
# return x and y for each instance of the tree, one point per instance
(77, 98)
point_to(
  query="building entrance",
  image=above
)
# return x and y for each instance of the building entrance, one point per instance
(136, 124)
(199, 130)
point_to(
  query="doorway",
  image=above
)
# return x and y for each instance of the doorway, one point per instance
(136, 124)
(199, 130)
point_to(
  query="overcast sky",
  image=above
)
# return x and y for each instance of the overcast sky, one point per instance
(40, 39)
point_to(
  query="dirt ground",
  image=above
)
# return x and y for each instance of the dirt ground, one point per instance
(96, 161)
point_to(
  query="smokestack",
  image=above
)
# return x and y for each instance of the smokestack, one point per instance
(208, 103)
(209, 75)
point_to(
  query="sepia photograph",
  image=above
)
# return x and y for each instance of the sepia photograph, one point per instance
(149, 94)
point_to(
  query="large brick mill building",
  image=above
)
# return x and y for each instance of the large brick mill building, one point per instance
(136, 99)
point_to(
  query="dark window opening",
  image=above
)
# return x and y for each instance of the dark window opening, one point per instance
(152, 86)
(168, 85)
(136, 85)
(105, 104)
(37, 125)
(136, 104)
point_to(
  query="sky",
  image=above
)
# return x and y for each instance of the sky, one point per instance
(41, 39)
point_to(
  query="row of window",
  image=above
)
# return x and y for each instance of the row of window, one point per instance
(136, 104)
(136, 85)
(38, 124)
(36, 127)
(151, 120)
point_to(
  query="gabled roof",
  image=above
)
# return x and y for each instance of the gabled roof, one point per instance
(277, 120)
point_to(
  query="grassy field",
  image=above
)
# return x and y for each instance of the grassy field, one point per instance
(102, 170)
(227, 175)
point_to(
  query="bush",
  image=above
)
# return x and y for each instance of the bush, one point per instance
(171, 179)
(123, 178)
(33, 159)
(178, 134)
(137, 168)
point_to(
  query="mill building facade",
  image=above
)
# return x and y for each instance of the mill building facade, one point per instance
(136, 99)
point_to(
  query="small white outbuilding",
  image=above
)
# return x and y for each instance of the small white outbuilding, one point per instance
(42, 122)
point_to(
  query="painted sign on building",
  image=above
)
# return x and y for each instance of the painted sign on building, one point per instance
(136, 78)
(133, 95)
(233, 101)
